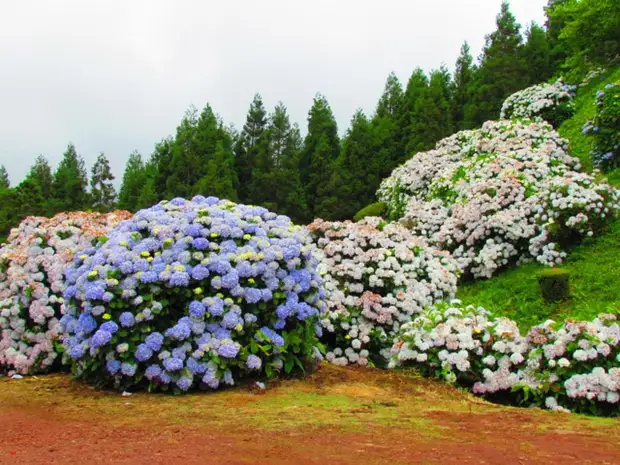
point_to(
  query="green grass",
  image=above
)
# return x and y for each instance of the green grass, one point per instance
(594, 283)
(594, 265)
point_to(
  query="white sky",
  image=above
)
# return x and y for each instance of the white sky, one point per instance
(117, 75)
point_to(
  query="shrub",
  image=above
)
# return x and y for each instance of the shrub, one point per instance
(551, 102)
(606, 127)
(572, 366)
(190, 294)
(462, 344)
(502, 194)
(377, 276)
(32, 264)
(374, 209)
(554, 284)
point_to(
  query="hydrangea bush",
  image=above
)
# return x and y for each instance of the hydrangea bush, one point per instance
(377, 276)
(32, 263)
(505, 193)
(462, 344)
(605, 128)
(551, 102)
(574, 366)
(190, 294)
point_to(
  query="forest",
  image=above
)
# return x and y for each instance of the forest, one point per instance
(323, 174)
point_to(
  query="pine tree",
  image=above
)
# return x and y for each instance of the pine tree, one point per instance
(148, 194)
(41, 174)
(252, 149)
(133, 182)
(161, 159)
(356, 175)
(5, 183)
(185, 163)
(220, 177)
(554, 25)
(464, 71)
(321, 148)
(386, 127)
(416, 99)
(70, 182)
(537, 55)
(503, 70)
(102, 191)
(282, 189)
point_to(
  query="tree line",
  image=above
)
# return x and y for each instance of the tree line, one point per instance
(269, 163)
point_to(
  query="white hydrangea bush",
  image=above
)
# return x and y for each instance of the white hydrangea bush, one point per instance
(551, 102)
(463, 344)
(503, 194)
(377, 276)
(573, 366)
(32, 266)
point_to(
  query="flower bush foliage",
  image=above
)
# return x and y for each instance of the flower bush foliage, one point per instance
(551, 102)
(190, 294)
(377, 276)
(32, 264)
(605, 128)
(502, 194)
(571, 366)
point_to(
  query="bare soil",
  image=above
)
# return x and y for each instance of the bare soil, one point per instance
(335, 416)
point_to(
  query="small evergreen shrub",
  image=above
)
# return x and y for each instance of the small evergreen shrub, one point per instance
(374, 209)
(193, 294)
(554, 284)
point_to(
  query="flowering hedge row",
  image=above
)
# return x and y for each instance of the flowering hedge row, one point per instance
(605, 128)
(376, 277)
(193, 294)
(571, 366)
(551, 102)
(505, 193)
(32, 263)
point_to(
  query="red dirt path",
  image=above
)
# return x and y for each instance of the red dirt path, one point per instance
(54, 420)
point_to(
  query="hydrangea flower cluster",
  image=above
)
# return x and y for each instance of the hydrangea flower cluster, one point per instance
(605, 128)
(377, 276)
(575, 365)
(193, 294)
(464, 345)
(505, 193)
(551, 102)
(571, 367)
(32, 265)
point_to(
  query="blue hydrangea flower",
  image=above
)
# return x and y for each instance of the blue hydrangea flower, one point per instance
(254, 362)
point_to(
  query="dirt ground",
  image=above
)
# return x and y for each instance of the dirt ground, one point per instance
(335, 416)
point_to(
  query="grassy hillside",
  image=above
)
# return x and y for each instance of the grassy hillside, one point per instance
(594, 265)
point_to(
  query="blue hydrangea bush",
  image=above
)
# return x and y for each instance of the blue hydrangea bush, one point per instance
(605, 128)
(193, 294)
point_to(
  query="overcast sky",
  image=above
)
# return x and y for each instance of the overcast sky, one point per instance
(115, 76)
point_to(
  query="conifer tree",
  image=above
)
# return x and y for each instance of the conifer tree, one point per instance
(537, 55)
(387, 127)
(41, 174)
(321, 148)
(70, 182)
(102, 191)
(185, 164)
(5, 183)
(133, 182)
(503, 70)
(252, 149)
(356, 175)
(416, 100)
(464, 71)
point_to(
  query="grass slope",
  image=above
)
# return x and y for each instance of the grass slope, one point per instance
(594, 266)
